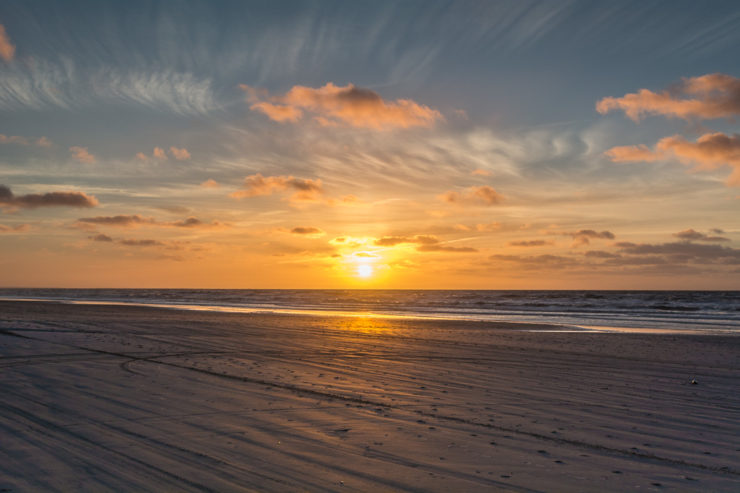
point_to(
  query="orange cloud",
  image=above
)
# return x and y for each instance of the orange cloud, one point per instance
(210, 183)
(49, 199)
(277, 112)
(710, 151)
(706, 97)
(7, 49)
(82, 155)
(483, 195)
(14, 229)
(13, 139)
(43, 142)
(24, 141)
(349, 105)
(141, 156)
(159, 153)
(622, 154)
(180, 154)
(258, 185)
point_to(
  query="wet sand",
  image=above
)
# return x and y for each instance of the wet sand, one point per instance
(113, 398)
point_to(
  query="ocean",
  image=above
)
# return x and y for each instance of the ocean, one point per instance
(705, 311)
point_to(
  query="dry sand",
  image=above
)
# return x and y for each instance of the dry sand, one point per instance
(98, 398)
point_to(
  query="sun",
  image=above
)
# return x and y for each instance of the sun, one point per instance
(364, 270)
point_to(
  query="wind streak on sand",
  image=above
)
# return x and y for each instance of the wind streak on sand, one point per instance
(131, 398)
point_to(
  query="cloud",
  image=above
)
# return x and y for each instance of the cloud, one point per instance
(122, 221)
(348, 105)
(24, 141)
(692, 235)
(481, 172)
(7, 49)
(181, 154)
(529, 243)
(49, 199)
(444, 248)
(684, 252)
(483, 195)
(159, 153)
(141, 156)
(135, 220)
(101, 237)
(584, 236)
(706, 97)
(277, 112)
(82, 155)
(398, 240)
(19, 228)
(307, 231)
(257, 185)
(141, 243)
(709, 152)
(622, 154)
(535, 262)
(13, 139)
(210, 183)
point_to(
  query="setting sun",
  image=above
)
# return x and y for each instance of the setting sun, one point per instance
(364, 270)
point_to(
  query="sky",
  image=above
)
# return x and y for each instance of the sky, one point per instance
(406, 144)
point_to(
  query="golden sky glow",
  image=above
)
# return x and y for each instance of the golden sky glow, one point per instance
(421, 145)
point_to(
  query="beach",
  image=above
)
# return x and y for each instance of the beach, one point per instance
(126, 398)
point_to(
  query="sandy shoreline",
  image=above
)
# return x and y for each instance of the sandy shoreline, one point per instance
(98, 398)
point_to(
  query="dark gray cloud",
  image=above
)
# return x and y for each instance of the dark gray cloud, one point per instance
(398, 240)
(529, 243)
(135, 220)
(307, 230)
(49, 199)
(101, 237)
(444, 248)
(692, 235)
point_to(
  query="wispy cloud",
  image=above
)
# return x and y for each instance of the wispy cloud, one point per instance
(63, 84)
(346, 105)
(706, 97)
(49, 199)
(7, 49)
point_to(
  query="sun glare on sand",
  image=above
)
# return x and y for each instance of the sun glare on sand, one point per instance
(364, 271)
